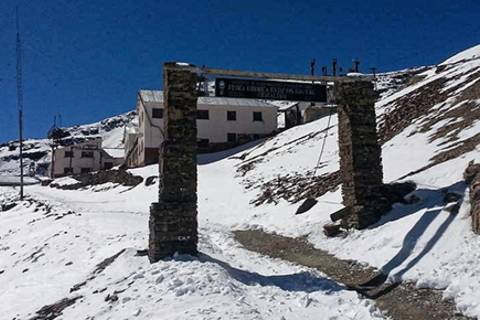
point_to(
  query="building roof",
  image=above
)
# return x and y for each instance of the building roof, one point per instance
(157, 96)
(152, 95)
(115, 152)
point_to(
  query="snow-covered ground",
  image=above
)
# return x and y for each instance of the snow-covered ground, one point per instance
(56, 239)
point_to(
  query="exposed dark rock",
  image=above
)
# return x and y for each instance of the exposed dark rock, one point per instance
(332, 230)
(100, 177)
(340, 214)
(106, 262)
(452, 197)
(150, 180)
(58, 133)
(55, 310)
(8, 206)
(98, 269)
(396, 192)
(111, 298)
(410, 107)
(296, 187)
(46, 182)
(34, 156)
(78, 286)
(471, 172)
(142, 253)
(452, 207)
(306, 205)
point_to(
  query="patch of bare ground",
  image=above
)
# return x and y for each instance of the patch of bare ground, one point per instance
(52, 311)
(55, 310)
(465, 111)
(296, 187)
(455, 151)
(464, 115)
(119, 176)
(420, 102)
(410, 107)
(400, 301)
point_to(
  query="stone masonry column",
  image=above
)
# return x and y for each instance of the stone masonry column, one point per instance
(173, 219)
(360, 154)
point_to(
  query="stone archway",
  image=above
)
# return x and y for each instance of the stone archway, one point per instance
(173, 219)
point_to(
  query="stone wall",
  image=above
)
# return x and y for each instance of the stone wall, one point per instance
(360, 154)
(173, 220)
(472, 178)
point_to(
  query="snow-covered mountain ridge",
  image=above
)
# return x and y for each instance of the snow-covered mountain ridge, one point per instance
(38, 150)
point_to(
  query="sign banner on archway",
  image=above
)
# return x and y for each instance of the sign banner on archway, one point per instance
(270, 90)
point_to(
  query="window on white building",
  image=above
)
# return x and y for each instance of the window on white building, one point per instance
(257, 116)
(157, 113)
(231, 115)
(87, 154)
(202, 114)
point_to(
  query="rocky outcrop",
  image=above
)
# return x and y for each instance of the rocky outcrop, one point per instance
(122, 177)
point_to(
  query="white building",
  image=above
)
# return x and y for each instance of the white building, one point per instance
(130, 141)
(221, 123)
(82, 157)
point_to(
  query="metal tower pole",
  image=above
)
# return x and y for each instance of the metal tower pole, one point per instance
(20, 99)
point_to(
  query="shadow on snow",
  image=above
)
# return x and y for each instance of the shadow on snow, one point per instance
(297, 282)
(432, 203)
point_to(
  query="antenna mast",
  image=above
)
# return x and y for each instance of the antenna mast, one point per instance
(19, 98)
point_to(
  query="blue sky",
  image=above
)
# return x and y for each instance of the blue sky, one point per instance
(86, 59)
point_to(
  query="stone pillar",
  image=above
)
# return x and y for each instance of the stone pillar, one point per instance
(173, 219)
(360, 154)
(472, 178)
